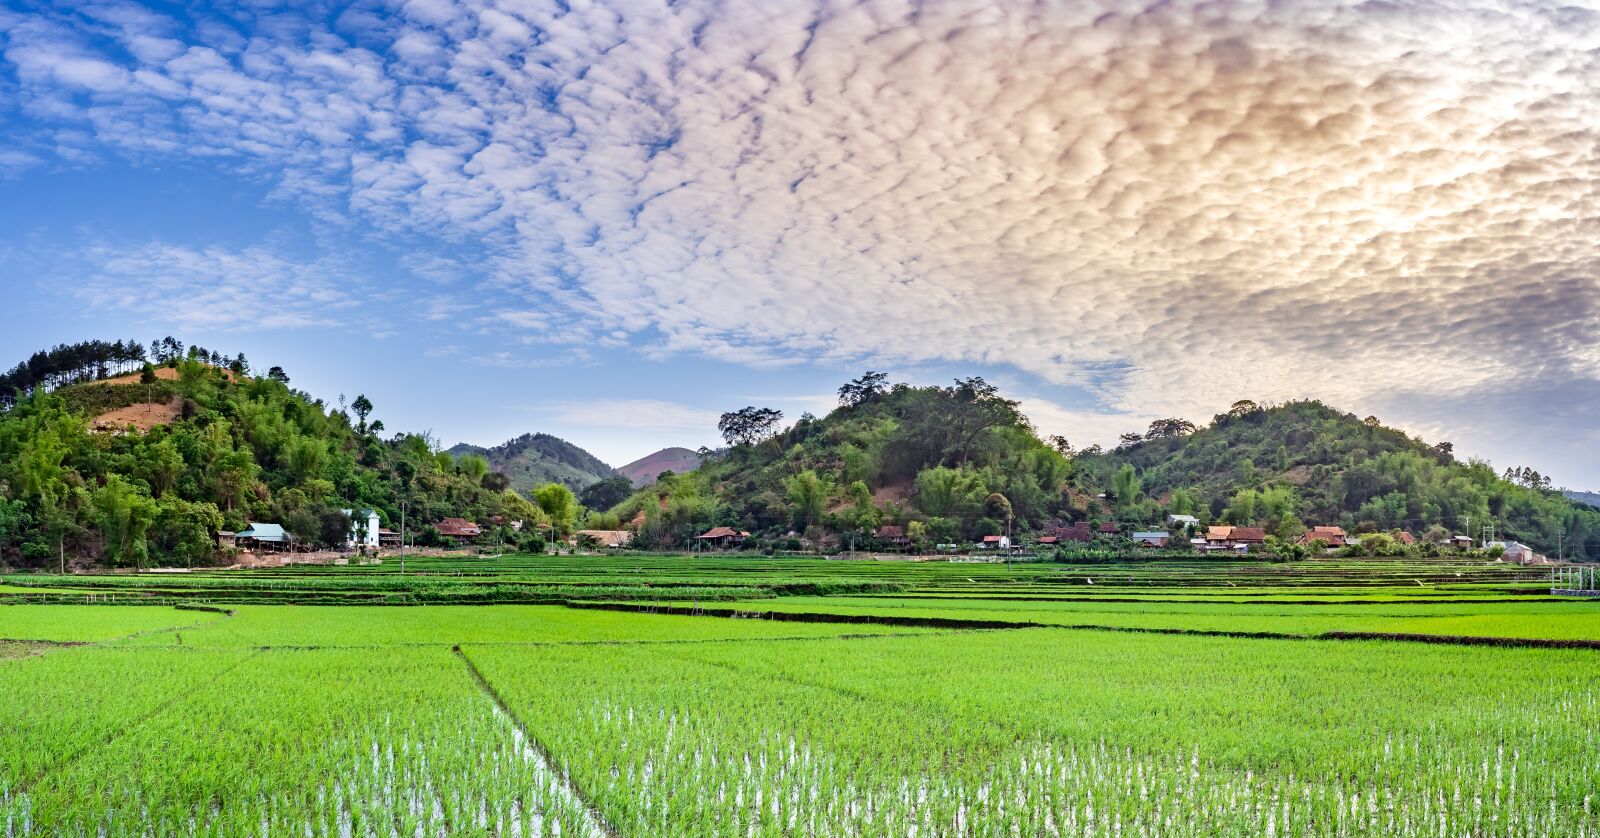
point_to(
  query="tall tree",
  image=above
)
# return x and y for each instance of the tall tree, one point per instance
(749, 425)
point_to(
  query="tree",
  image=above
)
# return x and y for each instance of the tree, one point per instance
(1128, 440)
(161, 466)
(495, 481)
(472, 466)
(749, 425)
(604, 494)
(808, 492)
(277, 374)
(1242, 408)
(558, 502)
(362, 407)
(125, 515)
(1169, 429)
(147, 374)
(864, 390)
(1061, 445)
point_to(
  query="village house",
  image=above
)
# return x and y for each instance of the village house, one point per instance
(1218, 535)
(264, 536)
(458, 529)
(722, 538)
(1182, 521)
(365, 530)
(1153, 538)
(1513, 551)
(1244, 538)
(891, 535)
(1109, 528)
(991, 542)
(1079, 532)
(1331, 536)
(609, 539)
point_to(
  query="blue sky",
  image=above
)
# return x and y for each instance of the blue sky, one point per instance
(611, 222)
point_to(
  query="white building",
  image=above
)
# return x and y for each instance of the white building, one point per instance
(364, 528)
(1185, 520)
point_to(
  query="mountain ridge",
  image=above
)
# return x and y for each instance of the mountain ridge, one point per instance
(534, 459)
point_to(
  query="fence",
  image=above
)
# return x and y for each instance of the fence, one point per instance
(1576, 580)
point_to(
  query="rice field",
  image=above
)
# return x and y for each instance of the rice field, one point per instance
(877, 708)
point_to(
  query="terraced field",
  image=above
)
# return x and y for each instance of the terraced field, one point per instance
(875, 698)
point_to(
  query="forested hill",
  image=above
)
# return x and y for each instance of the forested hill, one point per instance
(956, 463)
(148, 467)
(1304, 463)
(532, 460)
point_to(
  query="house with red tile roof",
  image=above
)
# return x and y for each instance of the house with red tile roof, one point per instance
(458, 529)
(722, 537)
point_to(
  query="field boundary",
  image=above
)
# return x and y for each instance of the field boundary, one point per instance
(595, 816)
(808, 616)
(957, 623)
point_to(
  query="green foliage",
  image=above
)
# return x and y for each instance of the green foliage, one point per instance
(559, 505)
(241, 450)
(1285, 466)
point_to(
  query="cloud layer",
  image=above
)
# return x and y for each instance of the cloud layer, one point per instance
(1172, 204)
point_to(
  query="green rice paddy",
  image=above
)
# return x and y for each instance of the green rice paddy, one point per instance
(874, 698)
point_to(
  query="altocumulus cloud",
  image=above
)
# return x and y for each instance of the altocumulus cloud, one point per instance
(1217, 199)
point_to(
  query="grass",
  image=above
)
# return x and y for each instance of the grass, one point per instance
(1555, 620)
(330, 717)
(89, 623)
(448, 625)
(1029, 732)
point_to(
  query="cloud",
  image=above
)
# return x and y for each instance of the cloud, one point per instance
(255, 287)
(636, 414)
(1173, 205)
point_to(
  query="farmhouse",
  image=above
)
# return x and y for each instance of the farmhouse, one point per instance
(1513, 551)
(263, 536)
(1218, 535)
(364, 528)
(991, 542)
(1331, 536)
(1153, 538)
(1183, 520)
(1246, 537)
(609, 539)
(722, 537)
(892, 535)
(458, 529)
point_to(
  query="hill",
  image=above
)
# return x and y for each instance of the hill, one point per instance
(647, 468)
(532, 460)
(136, 488)
(960, 462)
(1293, 465)
(1589, 498)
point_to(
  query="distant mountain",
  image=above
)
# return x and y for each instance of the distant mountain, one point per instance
(532, 460)
(646, 469)
(1590, 498)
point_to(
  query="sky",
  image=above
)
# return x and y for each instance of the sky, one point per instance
(612, 221)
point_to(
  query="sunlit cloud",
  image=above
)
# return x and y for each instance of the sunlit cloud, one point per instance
(1169, 206)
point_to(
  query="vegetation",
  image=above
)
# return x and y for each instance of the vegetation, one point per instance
(937, 456)
(956, 463)
(532, 460)
(837, 715)
(1303, 463)
(240, 449)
